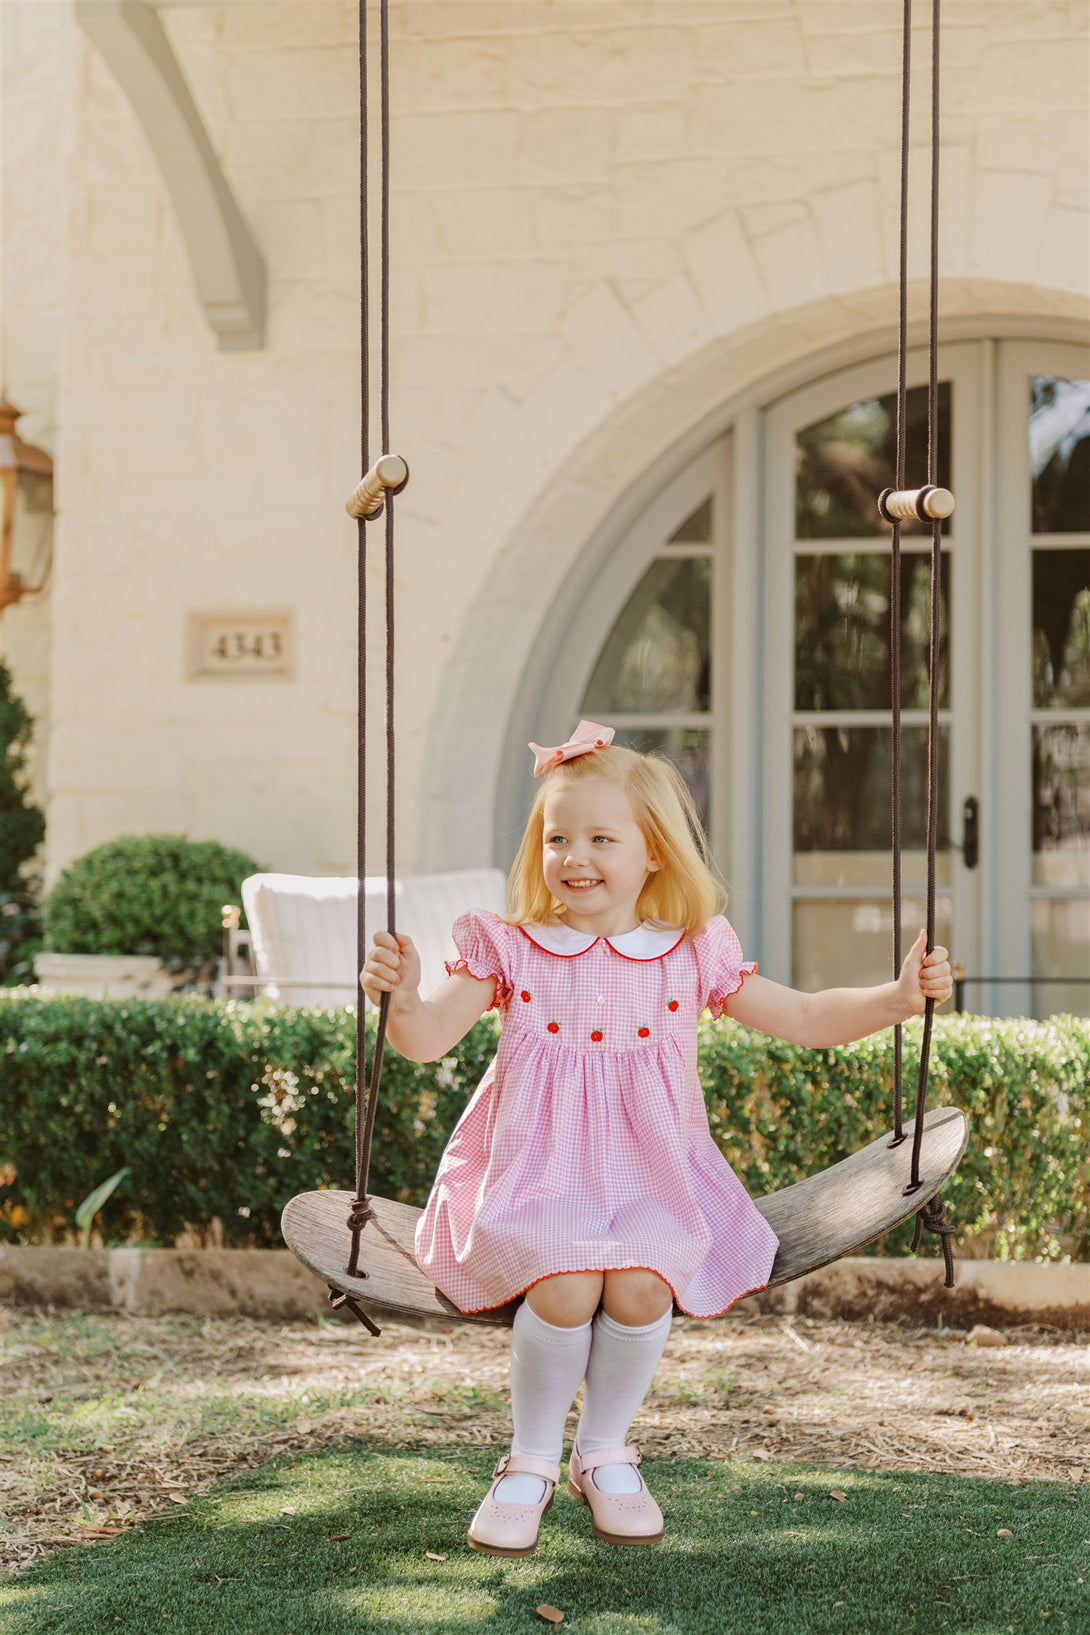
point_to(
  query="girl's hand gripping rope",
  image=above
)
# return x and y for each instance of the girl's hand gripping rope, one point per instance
(925, 976)
(393, 965)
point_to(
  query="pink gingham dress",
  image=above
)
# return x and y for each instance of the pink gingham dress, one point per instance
(586, 1145)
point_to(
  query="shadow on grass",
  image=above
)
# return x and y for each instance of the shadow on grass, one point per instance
(742, 1553)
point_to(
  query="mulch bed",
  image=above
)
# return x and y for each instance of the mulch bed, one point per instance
(874, 1396)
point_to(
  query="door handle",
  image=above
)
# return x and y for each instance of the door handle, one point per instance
(970, 831)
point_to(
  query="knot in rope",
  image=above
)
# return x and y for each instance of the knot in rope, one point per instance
(933, 1217)
(360, 1212)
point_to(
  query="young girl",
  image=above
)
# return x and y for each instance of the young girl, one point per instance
(582, 1174)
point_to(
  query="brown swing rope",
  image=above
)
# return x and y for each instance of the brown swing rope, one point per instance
(932, 1215)
(361, 1209)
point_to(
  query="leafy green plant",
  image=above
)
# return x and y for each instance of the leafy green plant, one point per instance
(224, 1110)
(89, 1208)
(22, 827)
(147, 894)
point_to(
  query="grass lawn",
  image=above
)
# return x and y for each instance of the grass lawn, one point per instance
(263, 1555)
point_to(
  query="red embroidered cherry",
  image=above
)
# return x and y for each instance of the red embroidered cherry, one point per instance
(644, 1033)
(525, 997)
(597, 1035)
(672, 1006)
(554, 1027)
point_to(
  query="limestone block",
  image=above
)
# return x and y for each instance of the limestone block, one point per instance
(579, 214)
(790, 258)
(569, 402)
(333, 159)
(849, 228)
(760, 47)
(604, 338)
(653, 132)
(487, 221)
(415, 234)
(670, 198)
(320, 83)
(313, 317)
(673, 318)
(458, 74)
(285, 24)
(1012, 77)
(279, 140)
(468, 150)
(848, 16)
(560, 68)
(793, 116)
(502, 442)
(633, 266)
(564, 145)
(725, 273)
(875, 50)
(1064, 252)
(522, 297)
(291, 233)
(124, 220)
(1032, 141)
(1010, 214)
(1071, 179)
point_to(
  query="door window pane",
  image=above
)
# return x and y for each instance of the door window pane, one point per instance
(1060, 936)
(1059, 454)
(842, 789)
(697, 529)
(842, 657)
(688, 748)
(657, 656)
(1061, 805)
(1061, 629)
(848, 944)
(843, 463)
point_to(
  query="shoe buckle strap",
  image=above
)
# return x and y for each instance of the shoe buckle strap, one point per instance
(610, 1456)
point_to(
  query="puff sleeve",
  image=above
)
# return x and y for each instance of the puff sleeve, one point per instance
(483, 942)
(722, 968)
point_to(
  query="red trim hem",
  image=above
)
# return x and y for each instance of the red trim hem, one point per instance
(718, 1004)
(700, 1317)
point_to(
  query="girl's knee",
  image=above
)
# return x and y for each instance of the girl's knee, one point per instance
(636, 1298)
(568, 1300)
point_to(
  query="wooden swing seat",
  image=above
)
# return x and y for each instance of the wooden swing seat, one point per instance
(818, 1220)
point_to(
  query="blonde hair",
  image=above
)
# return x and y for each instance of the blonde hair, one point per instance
(682, 891)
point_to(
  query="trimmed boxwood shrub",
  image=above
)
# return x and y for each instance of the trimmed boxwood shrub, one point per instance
(223, 1110)
(147, 894)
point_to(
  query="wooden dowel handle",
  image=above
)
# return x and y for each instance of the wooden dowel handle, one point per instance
(927, 504)
(366, 500)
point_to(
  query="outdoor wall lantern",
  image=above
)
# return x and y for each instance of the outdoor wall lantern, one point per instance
(26, 545)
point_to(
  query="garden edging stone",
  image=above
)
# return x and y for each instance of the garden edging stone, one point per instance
(272, 1283)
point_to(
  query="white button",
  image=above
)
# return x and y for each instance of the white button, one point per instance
(601, 999)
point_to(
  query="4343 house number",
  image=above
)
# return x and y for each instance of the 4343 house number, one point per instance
(222, 646)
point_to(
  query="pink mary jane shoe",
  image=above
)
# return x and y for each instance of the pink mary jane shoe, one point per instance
(511, 1529)
(618, 1518)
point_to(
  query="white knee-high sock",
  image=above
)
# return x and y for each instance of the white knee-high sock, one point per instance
(621, 1367)
(547, 1369)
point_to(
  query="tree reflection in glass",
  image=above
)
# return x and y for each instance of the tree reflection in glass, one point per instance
(843, 463)
(842, 657)
(1059, 454)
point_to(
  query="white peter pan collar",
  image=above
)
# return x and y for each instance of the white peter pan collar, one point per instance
(648, 941)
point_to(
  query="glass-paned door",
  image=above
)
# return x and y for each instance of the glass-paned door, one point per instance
(828, 781)
(1044, 537)
(1013, 754)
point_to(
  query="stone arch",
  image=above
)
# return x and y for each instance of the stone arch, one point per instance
(475, 780)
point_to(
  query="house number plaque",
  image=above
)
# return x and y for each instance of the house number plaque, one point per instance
(240, 646)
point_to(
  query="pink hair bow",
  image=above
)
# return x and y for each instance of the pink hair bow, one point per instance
(587, 736)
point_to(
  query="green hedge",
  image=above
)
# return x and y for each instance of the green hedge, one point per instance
(222, 1110)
